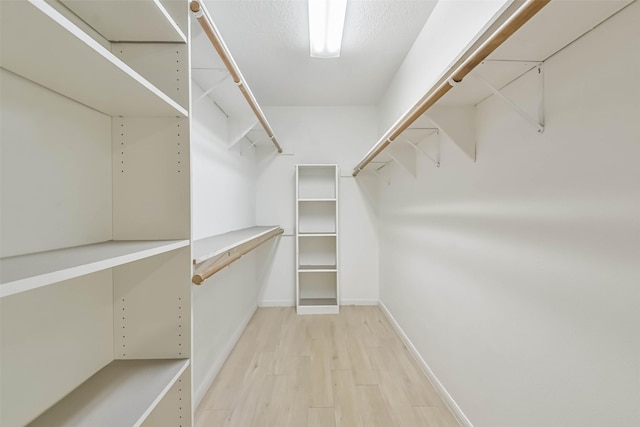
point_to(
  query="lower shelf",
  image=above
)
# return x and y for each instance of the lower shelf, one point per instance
(318, 306)
(123, 393)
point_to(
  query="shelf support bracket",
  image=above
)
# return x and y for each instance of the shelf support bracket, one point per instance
(457, 123)
(404, 157)
(242, 134)
(212, 88)
(537, 123)
(416, 146)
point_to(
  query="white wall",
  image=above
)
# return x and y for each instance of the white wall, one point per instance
(223, 199)
(451, 27)
(517, 278)
(336, 135)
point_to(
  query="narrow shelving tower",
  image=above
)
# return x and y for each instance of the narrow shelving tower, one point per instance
(317, 278)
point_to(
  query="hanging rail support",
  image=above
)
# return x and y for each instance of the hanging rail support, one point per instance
(208, 268)
(469, 60)
(200, 13)
(420, 150)
(212, 88)
(538, 123)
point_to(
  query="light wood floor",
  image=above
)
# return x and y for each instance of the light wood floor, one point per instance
(346, 370)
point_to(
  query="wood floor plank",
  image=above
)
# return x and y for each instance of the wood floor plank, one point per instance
(375, 411)
(321, 417)
(345, 370)
(347, 408)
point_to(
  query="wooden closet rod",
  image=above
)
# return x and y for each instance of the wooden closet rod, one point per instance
(470, 59)
(209, 268)
(210, 30)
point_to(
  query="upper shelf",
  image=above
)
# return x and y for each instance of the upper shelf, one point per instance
(516, 42)
(531, 44)
(216, 252)
(123, 393)
(128, 21)
(40, 44)
(25, 272)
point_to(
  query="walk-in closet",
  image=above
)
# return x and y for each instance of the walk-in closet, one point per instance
(320, 213)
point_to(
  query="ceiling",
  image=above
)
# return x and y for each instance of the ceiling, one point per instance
(270, 43)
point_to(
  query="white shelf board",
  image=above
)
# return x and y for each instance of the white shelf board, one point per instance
(533, 42)
(209, 247)
(25, 272)
(317, 200)
(318, 306)
(123, 393)
(317, 269)
(317, 234)
(40, 44)
(128, 21)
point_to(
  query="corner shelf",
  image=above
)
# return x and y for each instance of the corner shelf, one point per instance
(216, 252)
(79, 66)
(25, 272)
(317, 285)
(123, 393)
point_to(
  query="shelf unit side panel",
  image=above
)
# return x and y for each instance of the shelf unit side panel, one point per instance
(55, 170)
(53, 339)
(151, 196)
(337, 219)
(175, 407)
(165, 65)
(152, 313)
(297, 231)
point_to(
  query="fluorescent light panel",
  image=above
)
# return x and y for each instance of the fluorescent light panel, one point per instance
(326, 22)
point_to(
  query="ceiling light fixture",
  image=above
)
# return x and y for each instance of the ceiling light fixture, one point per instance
(326, 22)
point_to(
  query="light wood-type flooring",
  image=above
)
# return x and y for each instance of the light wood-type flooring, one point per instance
(345, 370)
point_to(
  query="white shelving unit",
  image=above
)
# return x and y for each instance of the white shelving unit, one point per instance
(95, 193)
(317, 272)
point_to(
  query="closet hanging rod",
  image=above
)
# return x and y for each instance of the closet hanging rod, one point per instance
(210, 30)
(469, 60)
(208, 268)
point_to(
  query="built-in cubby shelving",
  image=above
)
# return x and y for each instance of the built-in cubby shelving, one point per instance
(317, 239)
(123, 393)
(25, 272)
(78, 66)
(95, 255)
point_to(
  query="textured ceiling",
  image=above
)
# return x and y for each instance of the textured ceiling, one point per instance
(269, 41)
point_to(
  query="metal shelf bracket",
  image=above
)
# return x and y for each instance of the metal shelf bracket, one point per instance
(537, 122)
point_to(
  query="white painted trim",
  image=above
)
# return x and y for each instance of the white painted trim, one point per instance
(277, 303)
(431, 376)
(211, 375)
(359, 302)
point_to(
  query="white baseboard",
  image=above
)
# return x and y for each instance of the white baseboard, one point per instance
(277, 303)
(287, 303)
(359, 302)
(211, 375)
(444, 395)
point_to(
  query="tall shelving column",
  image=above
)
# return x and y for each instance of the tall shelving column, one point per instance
(317, 258)
(95, 188)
